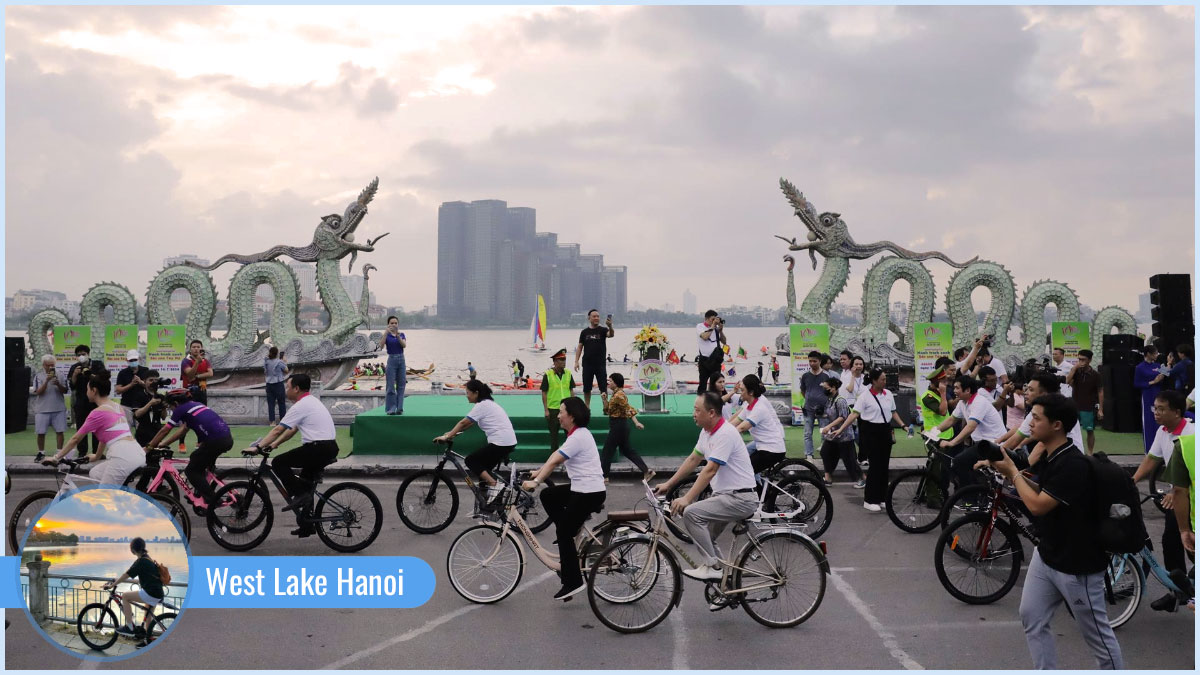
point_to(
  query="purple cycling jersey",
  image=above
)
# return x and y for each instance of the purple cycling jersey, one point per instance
(201, 419)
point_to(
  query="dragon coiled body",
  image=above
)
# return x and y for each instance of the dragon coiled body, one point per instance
(829, 237)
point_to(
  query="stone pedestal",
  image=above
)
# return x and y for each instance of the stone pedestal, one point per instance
(39, 588)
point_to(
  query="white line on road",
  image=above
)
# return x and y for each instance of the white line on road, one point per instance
(889, 640)
(417, 632)
(679, 658)
(954, 624)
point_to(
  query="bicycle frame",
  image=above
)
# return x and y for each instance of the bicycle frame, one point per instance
(265, 469)
(760, 514)
(169, 466)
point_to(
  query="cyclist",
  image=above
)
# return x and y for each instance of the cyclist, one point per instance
(758, 417)
(318, 450)
(212, 439)
(982, 422)
(150, 592)
(570, 505)
(732, 477)
(496, 427)
(1038, 386)
(108, 422)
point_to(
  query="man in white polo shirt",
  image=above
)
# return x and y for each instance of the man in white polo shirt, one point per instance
(983, 423)
(732, 478)
(319, 449)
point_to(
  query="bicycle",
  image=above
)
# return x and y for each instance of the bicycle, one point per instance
(67, 472)
(1127, 574)
(790, 491)
(634, 582)
(97, 623)
(244, 514)
(485, 562)
(917, 497)
(421, 495)
(169, 479)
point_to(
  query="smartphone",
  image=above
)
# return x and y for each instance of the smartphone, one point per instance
(610, 317)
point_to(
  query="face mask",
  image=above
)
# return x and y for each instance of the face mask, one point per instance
(83, 358)
(133, 364)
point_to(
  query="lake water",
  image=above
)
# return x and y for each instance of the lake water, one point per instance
(106, 560)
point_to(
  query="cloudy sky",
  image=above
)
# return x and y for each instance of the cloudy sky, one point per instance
(1056, 141)
(108, 513)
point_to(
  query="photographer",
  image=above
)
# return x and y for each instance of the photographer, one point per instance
(81, 405)
(149, 416)
(711, 335)
(131, 386)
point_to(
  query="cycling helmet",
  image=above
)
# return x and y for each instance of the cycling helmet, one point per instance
(177, 396)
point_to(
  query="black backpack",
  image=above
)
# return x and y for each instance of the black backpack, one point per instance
(1118, 514)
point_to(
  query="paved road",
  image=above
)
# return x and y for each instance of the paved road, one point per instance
(883, 608)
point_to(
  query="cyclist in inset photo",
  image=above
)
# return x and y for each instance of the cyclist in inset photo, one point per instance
(212, 435)
(150, 581)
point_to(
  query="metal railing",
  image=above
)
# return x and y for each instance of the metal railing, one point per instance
(66, 594)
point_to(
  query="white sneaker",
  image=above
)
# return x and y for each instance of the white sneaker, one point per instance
(704, 573)
(494, 492)
(873, 508)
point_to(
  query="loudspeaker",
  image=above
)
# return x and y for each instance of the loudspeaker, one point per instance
(16, 399)
(1122, 403)
(14, 352)
(1121, 341)
(1171, 300)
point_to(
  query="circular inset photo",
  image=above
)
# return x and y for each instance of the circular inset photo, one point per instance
(104, 573)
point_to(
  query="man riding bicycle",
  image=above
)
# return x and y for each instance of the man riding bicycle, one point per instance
(732, 477)
(319, 448)
(212, 435)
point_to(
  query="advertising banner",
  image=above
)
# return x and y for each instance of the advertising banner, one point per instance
(1070, 336)
(165, 349)
(804, 338)
(118, 340)
(66, 339)
(931, 341)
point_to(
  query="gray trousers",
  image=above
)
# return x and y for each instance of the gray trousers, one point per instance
(706, 519)
(1046, 588)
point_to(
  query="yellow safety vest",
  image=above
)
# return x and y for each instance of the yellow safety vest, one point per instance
(931, 416)
(559, 387)
(1187, 445)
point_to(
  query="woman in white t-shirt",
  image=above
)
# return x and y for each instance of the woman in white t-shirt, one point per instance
(759, 418)
(569, 505)
(497, 429)
(875, 410)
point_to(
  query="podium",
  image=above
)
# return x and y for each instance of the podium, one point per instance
(652, 378)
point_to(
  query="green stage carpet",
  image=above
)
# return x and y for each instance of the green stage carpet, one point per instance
(375, 433)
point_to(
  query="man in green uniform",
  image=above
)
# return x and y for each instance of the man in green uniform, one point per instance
(557, 384)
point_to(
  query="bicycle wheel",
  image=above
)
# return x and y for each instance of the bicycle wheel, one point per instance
(794, 466)
(633, 585)
(975, 562)
(167, 486)
(234, 474)
(909, 504)
(159, 625)
(531, 510)
(1126, 580)
(427, 501)
(596, 540)
(243, 516)
(24, 517)
(97, 626)
(177, 513)
(482, 567)
(968, 499)
(811, 494)
(358, 513)
(783, 579)
(1158, 487)
(682, 487)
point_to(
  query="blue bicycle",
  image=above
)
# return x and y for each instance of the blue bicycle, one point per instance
(1125, 581)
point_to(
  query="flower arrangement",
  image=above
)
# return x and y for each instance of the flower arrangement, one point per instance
(651, 336)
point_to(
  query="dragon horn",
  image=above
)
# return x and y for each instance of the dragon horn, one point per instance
(368, 192)
(794, 196)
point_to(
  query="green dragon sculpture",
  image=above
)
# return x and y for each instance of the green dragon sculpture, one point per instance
(242, 347)
(829, 236)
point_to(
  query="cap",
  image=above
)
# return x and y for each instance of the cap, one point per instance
(937, 374)
(132, 355)
(562, 353)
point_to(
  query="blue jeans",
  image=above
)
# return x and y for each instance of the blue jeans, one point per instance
(810, 420)
(276, 398)
(397, 378)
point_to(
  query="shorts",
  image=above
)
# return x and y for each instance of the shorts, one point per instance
(43, 421)
(597, 371)
(1087, 421)
(147, 598)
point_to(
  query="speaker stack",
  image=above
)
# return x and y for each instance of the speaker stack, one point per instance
(1122, 403)
(16, 386)
(1171, 310)
(1121, 349)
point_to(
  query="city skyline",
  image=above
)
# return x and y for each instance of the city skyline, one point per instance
(666, 156)
(108, 513)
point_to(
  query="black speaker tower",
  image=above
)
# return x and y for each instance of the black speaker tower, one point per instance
(16, 386)
(1171, 309)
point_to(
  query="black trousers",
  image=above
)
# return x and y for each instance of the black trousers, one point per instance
(569, 511)
(204, 457)
(876, 440)
(618, 439)
(310, 458)
(488, 458)
(709, 368)
(1174, 555)
(833, 451)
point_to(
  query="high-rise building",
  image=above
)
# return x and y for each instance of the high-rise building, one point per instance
(689, 301)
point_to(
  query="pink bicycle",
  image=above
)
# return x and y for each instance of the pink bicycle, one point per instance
(163, 474)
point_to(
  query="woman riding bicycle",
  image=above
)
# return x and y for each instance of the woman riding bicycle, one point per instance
(759, 418)
(122, 455)
(570, 505)
(496, 427)
(151, 593)
(212, 439)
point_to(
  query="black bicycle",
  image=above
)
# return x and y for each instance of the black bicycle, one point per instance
(347, 516)
(97, 623)
(917, 499)
(428, 500)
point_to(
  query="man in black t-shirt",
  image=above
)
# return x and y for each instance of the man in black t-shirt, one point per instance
(1068, 564)
(131, 386)
(77, 380)
(592, 348)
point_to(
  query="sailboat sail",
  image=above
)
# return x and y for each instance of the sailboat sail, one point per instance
(537, 327)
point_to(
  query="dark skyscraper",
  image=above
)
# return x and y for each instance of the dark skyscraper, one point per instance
(492, 263)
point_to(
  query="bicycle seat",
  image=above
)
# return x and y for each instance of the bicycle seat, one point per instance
(630, 515)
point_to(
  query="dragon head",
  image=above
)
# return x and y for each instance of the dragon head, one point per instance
(335, 235)
(826, 232)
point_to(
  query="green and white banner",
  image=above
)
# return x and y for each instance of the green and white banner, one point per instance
(165, 349)
(804, 338)
(931, 341)
(1070, 336)
(66, 339)
(118, 340)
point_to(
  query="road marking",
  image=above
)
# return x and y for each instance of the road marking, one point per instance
(955, 624)
(89, 664)
(679, 658)
(417, 632)
(889, 640)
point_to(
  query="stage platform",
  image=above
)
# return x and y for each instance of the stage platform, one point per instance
(376, 433)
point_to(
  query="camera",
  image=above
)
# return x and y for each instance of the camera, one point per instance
(990, 451)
